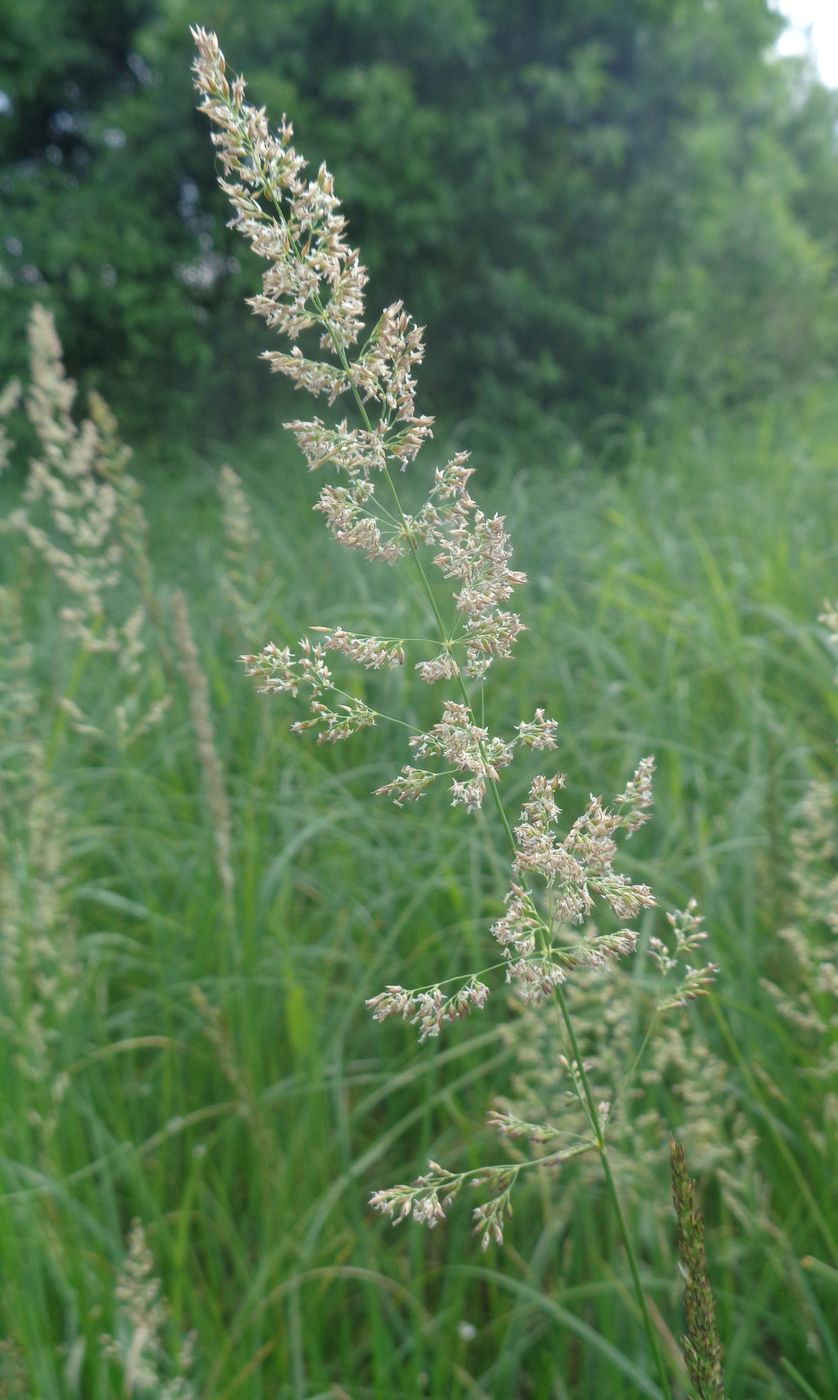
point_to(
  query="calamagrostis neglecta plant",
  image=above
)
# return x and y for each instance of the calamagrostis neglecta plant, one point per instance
(81, 514)
(40, 973)
(313, 287)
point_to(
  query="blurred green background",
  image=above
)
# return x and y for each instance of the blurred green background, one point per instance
(619, 221)
(595, 209)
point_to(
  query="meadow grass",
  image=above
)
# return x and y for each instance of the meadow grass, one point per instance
(223, 1082)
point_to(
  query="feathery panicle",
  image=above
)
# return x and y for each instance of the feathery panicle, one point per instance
(829, 618)
(39, 967)
(807, 996)
(78, 538)
(430, 1008)
(314, 284)
(241, 544)
(112, 462)
(82, 516)
(638, 1089)
(201, 711)
(428, 1198)
(702, 1348)
(689, 934)
(139, 1347)
(17, 702)
(314, 281)
(9, 400)
(313, 292)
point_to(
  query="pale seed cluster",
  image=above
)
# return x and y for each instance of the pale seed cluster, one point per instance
(240, 578)
(579, 868)
(689, 934)
(806, 993)
(576, 871)
(805, 990)
(369, 652)
(78, 542)
(40, 973)
(82, 516)
(139, 1346)
(429, 1009)
(280, 672)
(314, 282)
(678, 1080)
(9, 400)
(427, 1199)
(313, 292)
(468, 748)
(197, 686)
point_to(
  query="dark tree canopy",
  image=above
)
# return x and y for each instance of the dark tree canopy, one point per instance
(593, 208)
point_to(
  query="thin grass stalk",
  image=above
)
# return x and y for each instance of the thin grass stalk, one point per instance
(702, 1347)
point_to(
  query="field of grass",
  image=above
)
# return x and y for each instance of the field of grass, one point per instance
(202, 1060)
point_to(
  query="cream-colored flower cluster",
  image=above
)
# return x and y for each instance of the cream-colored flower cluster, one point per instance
(240, 579)
(315, 282)
(40, 969)
(81, 514)
(139, 1346)
(313, 291)
(79, 541)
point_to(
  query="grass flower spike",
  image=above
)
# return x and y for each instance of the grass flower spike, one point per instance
(702, 1347)
(562, 877)
(82, 517)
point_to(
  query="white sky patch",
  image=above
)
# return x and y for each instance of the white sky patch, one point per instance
(813, 27)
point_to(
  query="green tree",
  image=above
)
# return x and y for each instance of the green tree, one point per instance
(592, 208)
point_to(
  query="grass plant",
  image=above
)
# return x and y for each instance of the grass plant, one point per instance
(191, 1050)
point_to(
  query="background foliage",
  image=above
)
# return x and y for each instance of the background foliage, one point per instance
(216, 1073)
(594, 208)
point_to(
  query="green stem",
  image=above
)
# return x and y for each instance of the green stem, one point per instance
(379, 714)
(799, 1380)
(628, 1078)
(613, 1193)
(782, 1146)
(565, 1154)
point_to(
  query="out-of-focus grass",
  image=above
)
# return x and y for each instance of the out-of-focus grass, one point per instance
(672, 609)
